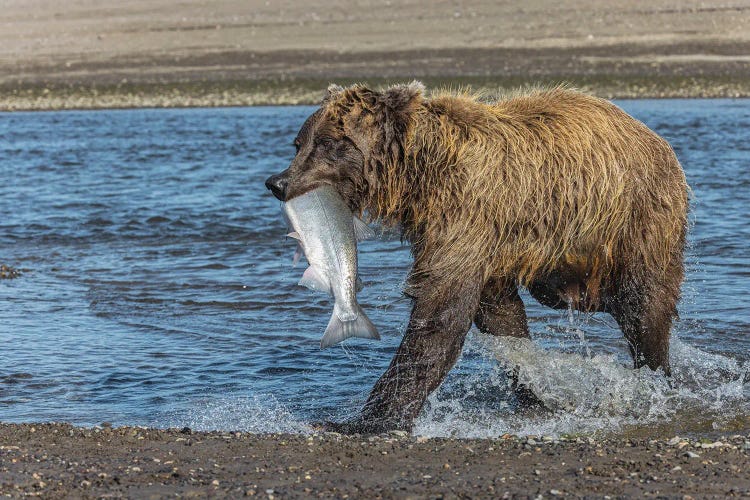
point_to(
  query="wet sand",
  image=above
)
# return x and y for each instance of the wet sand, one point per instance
(232, 52)
(58, 460)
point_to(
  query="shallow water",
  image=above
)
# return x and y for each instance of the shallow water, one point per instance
(158, 289)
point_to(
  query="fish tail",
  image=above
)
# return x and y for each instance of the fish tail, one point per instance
(339, 330)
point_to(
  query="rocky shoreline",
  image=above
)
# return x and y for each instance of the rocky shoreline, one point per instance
(41, 97)
(59, 460)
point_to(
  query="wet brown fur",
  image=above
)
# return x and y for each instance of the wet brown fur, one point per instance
(549, 182)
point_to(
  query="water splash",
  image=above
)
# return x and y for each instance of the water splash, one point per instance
(582, 394)
(586, 394)
(259, 414)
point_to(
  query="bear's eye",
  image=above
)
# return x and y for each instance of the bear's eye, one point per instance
(325, 142)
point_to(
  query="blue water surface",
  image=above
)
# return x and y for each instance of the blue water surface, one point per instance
(158, 286)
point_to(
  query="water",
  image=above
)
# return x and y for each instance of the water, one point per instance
(158, 289)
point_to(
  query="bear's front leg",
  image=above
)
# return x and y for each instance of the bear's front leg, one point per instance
(433, 340)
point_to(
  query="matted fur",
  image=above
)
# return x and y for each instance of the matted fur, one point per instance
(552, 189)
(547, 181)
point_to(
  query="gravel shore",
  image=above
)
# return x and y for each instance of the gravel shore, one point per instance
(59, 460)
(225, 94)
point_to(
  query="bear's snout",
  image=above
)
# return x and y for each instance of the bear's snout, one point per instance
(277, 184)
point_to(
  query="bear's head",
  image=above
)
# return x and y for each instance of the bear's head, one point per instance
(348, 141)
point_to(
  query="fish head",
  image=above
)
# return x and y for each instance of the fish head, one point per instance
(342, 144)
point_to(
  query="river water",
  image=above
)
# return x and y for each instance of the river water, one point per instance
(158, 289)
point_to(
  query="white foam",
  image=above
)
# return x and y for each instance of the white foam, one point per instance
(586, 394)
(260, 414)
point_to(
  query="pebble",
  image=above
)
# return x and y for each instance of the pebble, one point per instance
(400, 434)
(168, 96)
(666, 460)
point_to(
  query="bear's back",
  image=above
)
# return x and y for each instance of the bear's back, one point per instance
(549, 178)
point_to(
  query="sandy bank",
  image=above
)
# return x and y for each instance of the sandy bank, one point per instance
(55, 460)
(232, 52)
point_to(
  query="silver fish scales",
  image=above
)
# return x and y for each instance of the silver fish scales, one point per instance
(327, 232)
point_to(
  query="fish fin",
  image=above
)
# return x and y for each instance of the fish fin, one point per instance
(314, 280)
(295, 235)
(339, 330)
(362, 230)
(297, 255)
(358, 285)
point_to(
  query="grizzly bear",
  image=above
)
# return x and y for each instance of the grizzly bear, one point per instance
(552, 190)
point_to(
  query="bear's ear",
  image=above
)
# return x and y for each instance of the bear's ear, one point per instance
(332, 92)
(399, 97)
(352, 96)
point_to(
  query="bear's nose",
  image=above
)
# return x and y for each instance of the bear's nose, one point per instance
(277, 184)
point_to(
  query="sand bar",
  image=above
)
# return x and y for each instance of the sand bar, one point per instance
(87, 54)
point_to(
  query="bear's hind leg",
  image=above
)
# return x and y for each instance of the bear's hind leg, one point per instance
(501, 310)
(432, 343)
(644, 309)
(502, 313)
